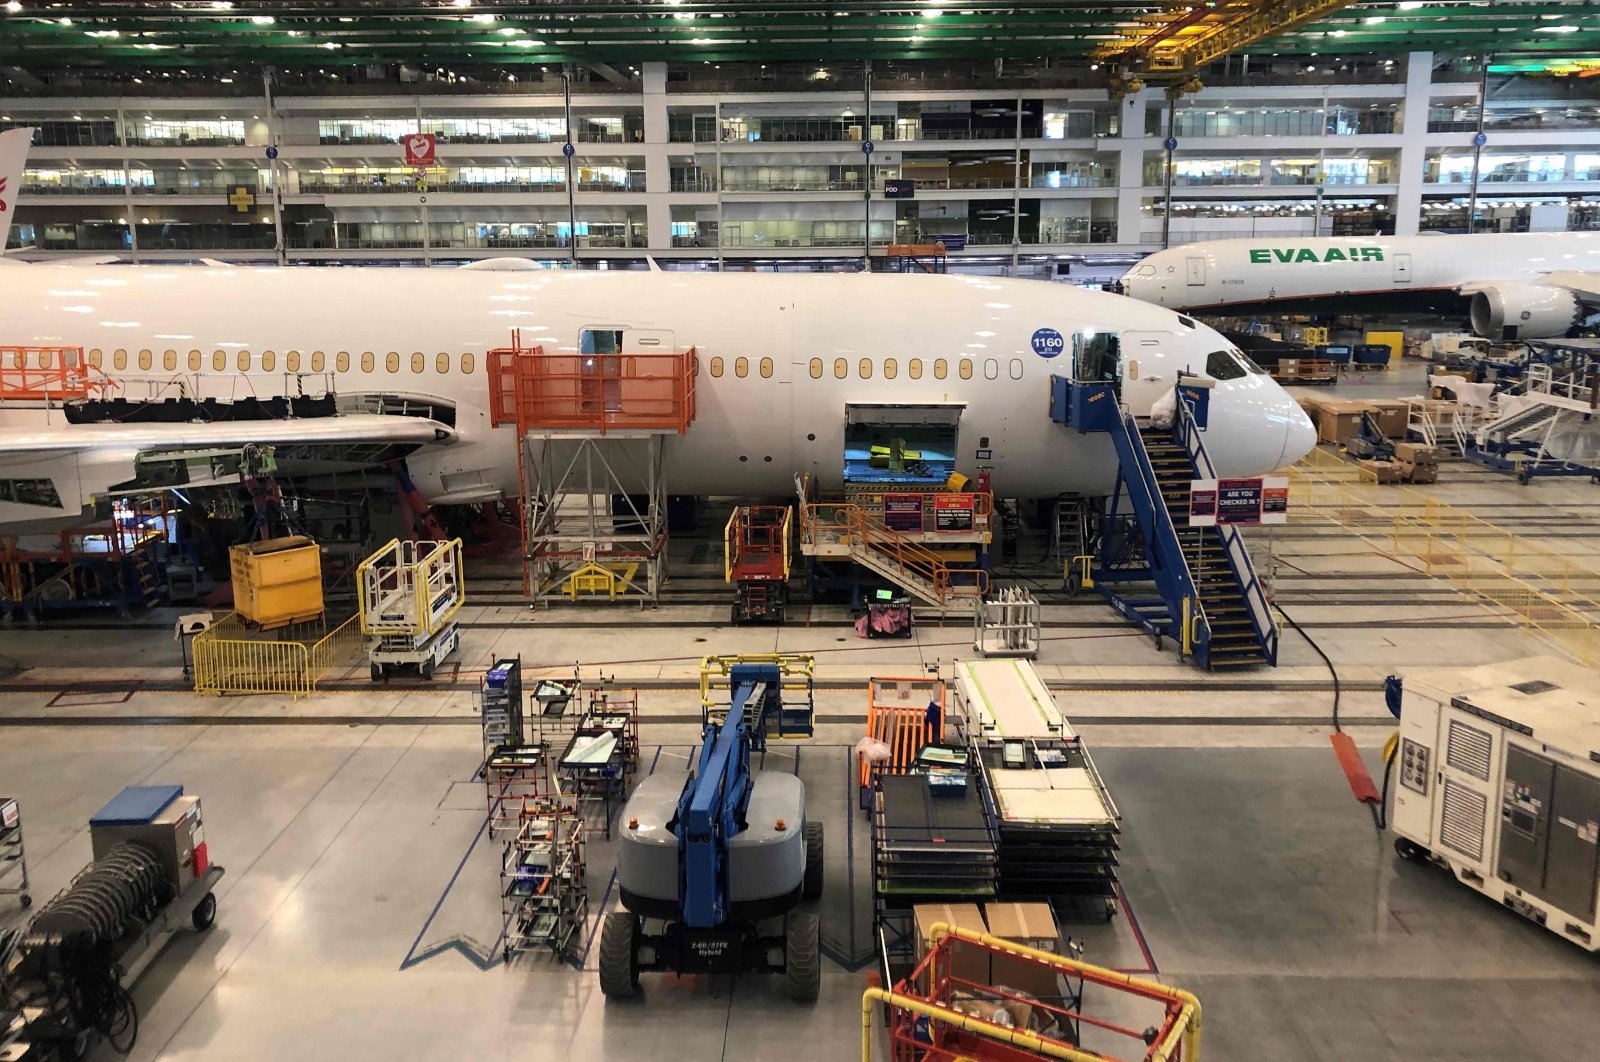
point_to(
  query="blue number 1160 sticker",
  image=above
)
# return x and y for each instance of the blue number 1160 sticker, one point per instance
(1047, 343)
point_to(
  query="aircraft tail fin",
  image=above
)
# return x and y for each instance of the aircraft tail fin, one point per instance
(14, 144)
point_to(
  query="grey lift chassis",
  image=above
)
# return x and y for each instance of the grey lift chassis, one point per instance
(710, 871)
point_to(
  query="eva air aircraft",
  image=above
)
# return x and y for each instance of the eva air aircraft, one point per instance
(1513, 286)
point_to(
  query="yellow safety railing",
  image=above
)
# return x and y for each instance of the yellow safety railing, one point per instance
(231, 658)
(1528, 581)
(796, 669)
(411, 587)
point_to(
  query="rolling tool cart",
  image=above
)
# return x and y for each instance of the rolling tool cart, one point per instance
(500, 705)
(13, 856)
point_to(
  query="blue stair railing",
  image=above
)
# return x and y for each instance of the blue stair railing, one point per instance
(1185, 618)
(1187, 432)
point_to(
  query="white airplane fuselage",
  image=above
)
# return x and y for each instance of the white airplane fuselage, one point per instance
(753, 432)
(1333, 274)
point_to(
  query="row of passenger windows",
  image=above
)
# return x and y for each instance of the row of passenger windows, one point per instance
(865, 368)
(293, 361)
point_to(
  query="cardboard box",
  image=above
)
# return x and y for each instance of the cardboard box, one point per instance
(1392, 417)
(1423, 474)
(1030, 924)
(966, 962)
(1384, 471)
(1339, 421)
(1416, 453)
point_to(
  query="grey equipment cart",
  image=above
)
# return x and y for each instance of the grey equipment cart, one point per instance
(13, 857)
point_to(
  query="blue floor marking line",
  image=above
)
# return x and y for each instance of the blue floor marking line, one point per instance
(606, 897)
(412, 958)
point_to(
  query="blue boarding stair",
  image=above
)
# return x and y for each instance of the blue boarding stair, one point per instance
(1195, 585)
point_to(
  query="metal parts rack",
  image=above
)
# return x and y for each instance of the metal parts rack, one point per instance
(599, 761)
(1007, 623)
(544, 894)
(410, 593)
(13, 856)
(500, 705)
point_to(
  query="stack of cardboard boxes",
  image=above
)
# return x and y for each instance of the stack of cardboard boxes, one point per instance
(1338, 420)
(1418, 463)
(1031, 924)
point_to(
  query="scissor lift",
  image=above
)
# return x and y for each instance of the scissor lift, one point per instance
(410, 594)
(756, 561)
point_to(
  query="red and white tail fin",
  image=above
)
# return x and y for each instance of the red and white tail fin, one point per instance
(14, 145)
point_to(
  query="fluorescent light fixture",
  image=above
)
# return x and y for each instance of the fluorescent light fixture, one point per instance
(1374, 20)
(14, 6)
(1557, 29)
(262, 20)
(483, 17)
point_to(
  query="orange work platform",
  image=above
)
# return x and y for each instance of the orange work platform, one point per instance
(36, 374)
(599, 393)
(939, 1015)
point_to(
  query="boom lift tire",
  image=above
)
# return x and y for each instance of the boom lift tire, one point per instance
(812, 888)
(802, 956)
(619, 956)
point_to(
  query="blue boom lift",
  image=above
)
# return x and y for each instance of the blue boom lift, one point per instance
(710, 870)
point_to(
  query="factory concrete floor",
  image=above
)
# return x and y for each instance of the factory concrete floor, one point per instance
(359, 917)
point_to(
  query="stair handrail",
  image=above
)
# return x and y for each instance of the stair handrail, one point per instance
(869, 534)
(1166, 533)
(1255, 596)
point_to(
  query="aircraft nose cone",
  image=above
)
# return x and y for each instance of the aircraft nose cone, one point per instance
(1299, 434)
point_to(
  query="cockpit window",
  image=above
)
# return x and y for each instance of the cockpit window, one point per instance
(1228, 365)
(1144, 271)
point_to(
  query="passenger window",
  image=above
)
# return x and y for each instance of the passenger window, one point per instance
(419, 364)
(964, 369)
(219, 360)
(144, 359)
(890, 368)
(341, 361)
(244, 361)
(766, 368)
(1221, 365)
(841, 368)
(291, 361)
(1016, 368)
(991, 369)
(269, 360)
(441, 364)
(716, 367)
(119, 360)
(940, 369)
(317, 361)
(169, 360)
(368, 361)
(94, 358)
(816, 368)
(741, 367)
(466, 363)
(391, 362)
(46, 359)
(866, 368)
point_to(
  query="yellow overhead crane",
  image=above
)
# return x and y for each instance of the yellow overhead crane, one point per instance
(1186, 36)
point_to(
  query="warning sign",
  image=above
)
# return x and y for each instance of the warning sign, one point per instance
(1238, 502)
(953, 512)
(902, 512)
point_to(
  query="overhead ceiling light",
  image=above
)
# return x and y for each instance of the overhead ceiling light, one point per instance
(64, 21)
(509, 31)
(296, 33)
(103, 33)
(528, 42)
(1409, 5)
(222, 5)
(262, 20)
(1337, 33)
(1375, 20)
(14, 6)
(931, 12)
(1558, 29)
(331, 45)
(483, 17)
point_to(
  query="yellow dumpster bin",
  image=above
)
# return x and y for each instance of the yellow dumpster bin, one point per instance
(277, 581)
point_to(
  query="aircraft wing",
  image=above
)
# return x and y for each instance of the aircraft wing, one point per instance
(53, 472)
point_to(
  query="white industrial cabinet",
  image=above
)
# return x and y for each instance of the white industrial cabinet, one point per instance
(1499, 782)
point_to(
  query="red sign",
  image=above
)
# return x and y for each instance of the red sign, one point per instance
(3, 207)
(420, 148)
(953, 512)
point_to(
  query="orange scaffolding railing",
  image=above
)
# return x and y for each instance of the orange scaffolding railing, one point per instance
(35, 374)
(756, 542)
(591, 392)
(948, 580)
(901, 713)
(935, 1015)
